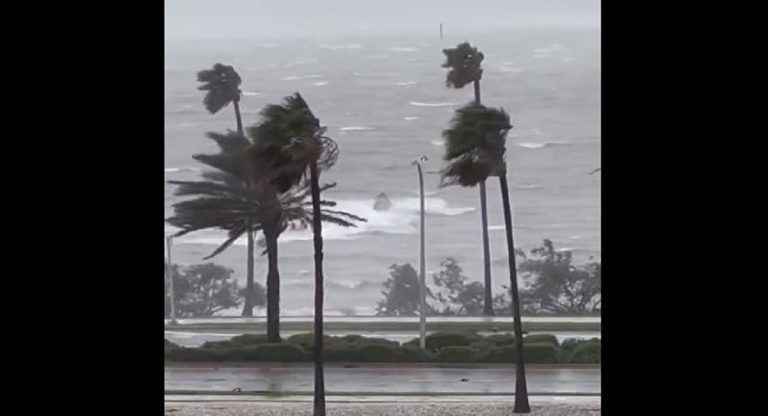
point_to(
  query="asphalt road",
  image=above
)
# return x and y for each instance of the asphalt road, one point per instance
(260, 379)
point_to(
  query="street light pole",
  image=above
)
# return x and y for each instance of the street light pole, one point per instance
(422, 260)
(169, 272)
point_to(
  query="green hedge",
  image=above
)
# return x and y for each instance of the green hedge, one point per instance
(457, 354)
(437, 340)
(585, 352)
(441, 347)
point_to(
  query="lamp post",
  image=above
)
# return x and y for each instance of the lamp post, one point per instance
(169, 272)
(422, 261)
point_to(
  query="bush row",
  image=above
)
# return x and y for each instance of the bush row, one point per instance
(449, 347)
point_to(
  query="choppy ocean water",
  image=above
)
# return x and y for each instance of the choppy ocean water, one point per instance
(384, 101)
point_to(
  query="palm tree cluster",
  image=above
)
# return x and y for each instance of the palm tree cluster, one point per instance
(266, 179)
(474, 151)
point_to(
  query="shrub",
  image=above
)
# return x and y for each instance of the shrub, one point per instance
(505, 354)
(457, 354)
(534, 353)
(218, 345)
(501, 340)
(540, 353)
(307, 340)
(266, 352)
(360, 352)
(250, 339)
(541, 339)
(437, 340)
(189, 354)
(414, 354)
(586, 352)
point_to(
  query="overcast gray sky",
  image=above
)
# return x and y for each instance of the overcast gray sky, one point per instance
(214, 19)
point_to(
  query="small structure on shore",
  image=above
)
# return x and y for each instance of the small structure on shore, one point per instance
(382, 202)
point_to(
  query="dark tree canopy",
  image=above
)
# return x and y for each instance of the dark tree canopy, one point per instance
(222, 84)
(204, 289)
(558, 286)
(475, 145)
(287, 140)
(401, 297)
(455, 294)
(220, 200)
(464, 62)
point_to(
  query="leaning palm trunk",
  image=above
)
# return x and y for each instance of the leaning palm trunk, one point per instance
(273, 285)
(248, 304)
(319, 400)
(488, 294)
(521, 389)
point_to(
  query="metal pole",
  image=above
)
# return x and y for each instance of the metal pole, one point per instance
(422, 261)
(169, 272)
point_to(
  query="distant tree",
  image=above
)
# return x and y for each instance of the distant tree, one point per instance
(401, 294)
(455, 295)
(557, 286)
(203, 290)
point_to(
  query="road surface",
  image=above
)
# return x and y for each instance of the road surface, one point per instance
(377, 380)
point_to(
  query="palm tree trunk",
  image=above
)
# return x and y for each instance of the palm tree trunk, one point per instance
(238, 118)
(273, 287)
(248, 304)
(488, 297)
(521, 389)
(476, 84)
(319, 399)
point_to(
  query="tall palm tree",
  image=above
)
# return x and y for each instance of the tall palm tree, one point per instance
(464, 62)
(475, 150)
(222, 86)
(290, 143)
(222, 201)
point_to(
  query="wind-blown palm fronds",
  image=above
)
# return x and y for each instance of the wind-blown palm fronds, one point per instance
(464, 62)
(222, 86)
(474, 145)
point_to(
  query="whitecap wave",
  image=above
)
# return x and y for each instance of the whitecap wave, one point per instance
(423, 104)
(340, 47)
(402, 218)
(355, 128)
(438, 142)
(251, 93)
(406, 83)
(174, 170)
(409, 118)
(531, 145)
(404, 49)
(320, 83)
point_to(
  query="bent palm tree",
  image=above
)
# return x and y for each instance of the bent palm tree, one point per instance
(289, 143)
(222, 202)
(464, 62)
(475, 150)
(222, 84)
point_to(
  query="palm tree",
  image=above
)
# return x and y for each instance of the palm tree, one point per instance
(222, 201)
(222, 84)
(464, 62)
(475, 150)
(290, 143)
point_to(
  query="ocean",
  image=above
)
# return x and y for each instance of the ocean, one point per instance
(385, 102)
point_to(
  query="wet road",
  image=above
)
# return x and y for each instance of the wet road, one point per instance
(380, 379)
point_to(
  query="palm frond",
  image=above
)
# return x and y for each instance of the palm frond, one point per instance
(222, 86)
(464, 62)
